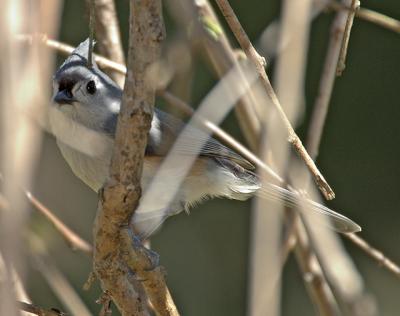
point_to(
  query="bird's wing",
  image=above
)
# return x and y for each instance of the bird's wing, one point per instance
(170, 127)
(166, 128)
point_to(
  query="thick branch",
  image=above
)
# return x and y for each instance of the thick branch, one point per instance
(120, 195)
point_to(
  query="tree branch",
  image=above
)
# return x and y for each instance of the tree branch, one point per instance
(120, 195)
(355, 4)
(73, 240)
(375, 254)
(259, 64)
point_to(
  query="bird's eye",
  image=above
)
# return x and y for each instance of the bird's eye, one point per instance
(91, 87)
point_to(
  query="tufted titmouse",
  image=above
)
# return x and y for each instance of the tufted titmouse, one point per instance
(83, 119)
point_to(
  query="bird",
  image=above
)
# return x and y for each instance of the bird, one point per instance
(83, 119)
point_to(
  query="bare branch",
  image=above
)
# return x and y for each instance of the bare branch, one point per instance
(120, 195)
(326, 85)
(370, 16)
(68, 49)
(108, 35)
(375, 254)
(355, 4)
(260, 64)
(73, 240)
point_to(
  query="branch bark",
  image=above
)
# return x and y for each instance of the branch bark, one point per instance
(120, 195)
(36, 310)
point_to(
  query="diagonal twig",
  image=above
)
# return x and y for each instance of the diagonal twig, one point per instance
(355, 4)
(259, 64)
(73, 239)
(375, 254)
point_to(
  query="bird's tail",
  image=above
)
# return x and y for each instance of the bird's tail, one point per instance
(336, 221)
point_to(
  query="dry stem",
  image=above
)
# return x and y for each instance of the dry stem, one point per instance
(346, 37)
(73, 240)
(375, 254)
(259, 63)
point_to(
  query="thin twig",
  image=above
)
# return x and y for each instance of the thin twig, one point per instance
(370, 16)
(91, 33)
(327, 81)
(355, 4)
(73, 240)
(375, 254)
(108, 35)
(68, 49)
(259, 64)
(36, 310)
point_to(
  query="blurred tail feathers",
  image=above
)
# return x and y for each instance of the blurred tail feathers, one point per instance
(336, 221)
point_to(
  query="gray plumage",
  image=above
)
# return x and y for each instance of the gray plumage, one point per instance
(83, 120)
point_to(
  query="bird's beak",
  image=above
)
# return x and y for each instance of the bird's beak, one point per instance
(63, 97)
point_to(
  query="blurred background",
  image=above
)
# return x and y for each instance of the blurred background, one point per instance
(206, 254)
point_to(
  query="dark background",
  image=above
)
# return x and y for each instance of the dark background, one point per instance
(206, 253)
